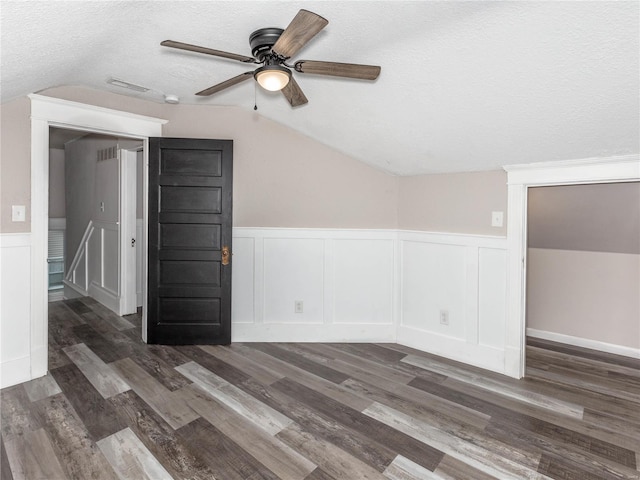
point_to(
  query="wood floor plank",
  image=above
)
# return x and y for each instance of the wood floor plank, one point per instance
(31, 456)
(380, 370)
(77, 306)
(549, 420)
(425, 407)
(589, 382)
(226, 459)
(451, 468)
(42, 387)
(323, 427)
(71, 440)
(559, 467)
(5, 468)
(252, 369)
(280, 367)
(299, 361)
(404, 469)
(521, 415)
(511, 391)
(403, 444)
(106, 315)
(130, 458)
(565, 390)
(98, 344)
(222, 369)
(97, 414)
(377, 353)
(16, 414)
(511, 464)
(102, 376)
(268, 450)
(331, 459)
(552, 357)
(617, 462)
(169, 405)
(160, 438)
(319, 474)
(247, 406)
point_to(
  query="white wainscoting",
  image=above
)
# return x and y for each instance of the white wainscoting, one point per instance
(372, 286)
(94, 269)
(345, 279)
(15, 308)
(463, 276)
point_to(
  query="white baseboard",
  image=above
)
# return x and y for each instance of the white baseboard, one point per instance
(312, 333)
(105, 297)
(584, 343)
(15, 371)
(482, 356)
(71, 290)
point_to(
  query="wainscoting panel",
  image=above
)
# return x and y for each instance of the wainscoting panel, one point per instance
(363, 276)
(94, 269)
(492, 294)
(293, 272)
(433, 283)
(453, 291)
(15, 308)
(344, 279)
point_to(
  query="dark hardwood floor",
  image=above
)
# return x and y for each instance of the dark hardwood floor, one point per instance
(113, 407)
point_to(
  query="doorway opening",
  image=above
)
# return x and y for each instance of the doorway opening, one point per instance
(520, 178)
(47, 112)
(583, 270)
(95, 219)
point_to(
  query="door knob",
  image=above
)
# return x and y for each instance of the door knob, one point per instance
(225, 255)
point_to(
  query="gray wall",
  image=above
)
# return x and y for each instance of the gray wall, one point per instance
(84, 191)
(594, 218)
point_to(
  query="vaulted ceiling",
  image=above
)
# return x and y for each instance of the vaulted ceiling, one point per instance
(465, 86)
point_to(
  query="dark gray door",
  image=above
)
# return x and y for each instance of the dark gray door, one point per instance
(189, 289)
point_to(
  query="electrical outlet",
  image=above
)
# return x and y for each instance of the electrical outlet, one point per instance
(444, 317)
(298, 306)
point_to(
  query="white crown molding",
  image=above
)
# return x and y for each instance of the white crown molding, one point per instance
(586, 170)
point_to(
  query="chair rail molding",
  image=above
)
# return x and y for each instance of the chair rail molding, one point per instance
(623, 168)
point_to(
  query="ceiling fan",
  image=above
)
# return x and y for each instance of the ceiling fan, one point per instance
(272, 47)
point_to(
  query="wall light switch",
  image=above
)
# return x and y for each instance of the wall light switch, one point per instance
(18, 213)
(497, 219)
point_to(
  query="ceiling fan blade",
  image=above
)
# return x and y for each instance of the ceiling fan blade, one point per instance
(293, 93)
(208, 51)
(304, 26)
(350, 70)
(226, 84)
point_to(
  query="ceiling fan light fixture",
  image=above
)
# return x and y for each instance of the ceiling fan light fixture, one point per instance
(272, 77)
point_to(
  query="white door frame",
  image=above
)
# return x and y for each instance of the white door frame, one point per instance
(49, 112)
(519, 179)
(127, 252)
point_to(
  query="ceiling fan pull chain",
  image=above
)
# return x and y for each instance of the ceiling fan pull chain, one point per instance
(255, 96)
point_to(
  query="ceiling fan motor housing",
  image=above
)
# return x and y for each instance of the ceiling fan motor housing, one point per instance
(262, 40)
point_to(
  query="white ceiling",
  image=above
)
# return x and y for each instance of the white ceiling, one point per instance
(469, 85)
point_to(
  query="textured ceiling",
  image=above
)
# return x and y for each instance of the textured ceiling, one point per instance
(465, 86)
